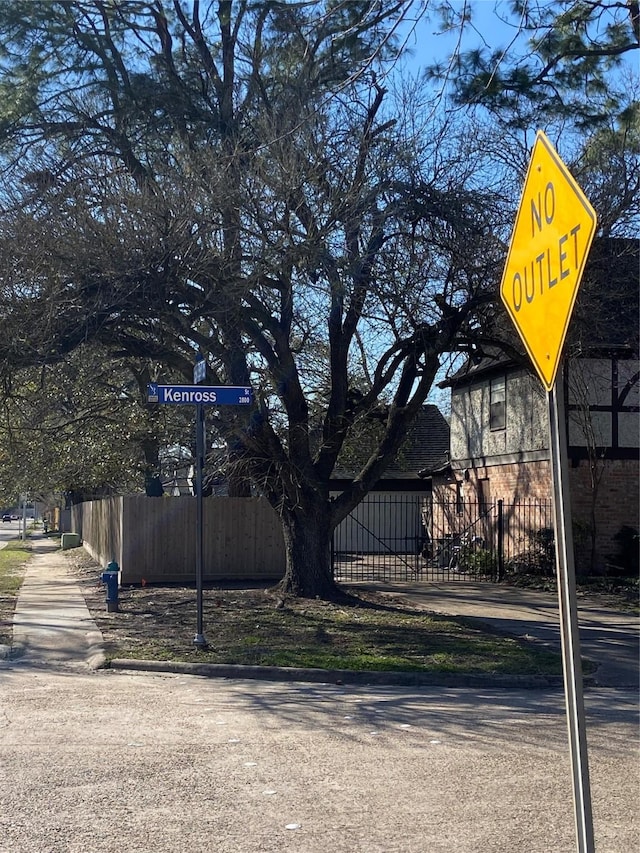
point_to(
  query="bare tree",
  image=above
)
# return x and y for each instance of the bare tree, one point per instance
(245, 184)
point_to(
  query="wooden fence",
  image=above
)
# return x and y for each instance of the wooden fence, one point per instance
(153, 540)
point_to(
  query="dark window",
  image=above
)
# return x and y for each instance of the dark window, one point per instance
(484, 493)
(498, 403)
(459, 501)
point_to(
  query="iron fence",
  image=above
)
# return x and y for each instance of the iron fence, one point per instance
(413, 537)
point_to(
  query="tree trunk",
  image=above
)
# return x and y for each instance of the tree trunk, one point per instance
(152, 469)
(307, 537)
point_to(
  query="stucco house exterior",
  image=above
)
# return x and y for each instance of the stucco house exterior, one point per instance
(499, 447)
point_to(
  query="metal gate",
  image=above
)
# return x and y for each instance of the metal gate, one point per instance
(381, 539)
(400, 537)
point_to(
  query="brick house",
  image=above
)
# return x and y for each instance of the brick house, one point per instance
(499, 447)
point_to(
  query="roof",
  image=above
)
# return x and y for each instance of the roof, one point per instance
(426, 446)
(424, 449)
(605, 317)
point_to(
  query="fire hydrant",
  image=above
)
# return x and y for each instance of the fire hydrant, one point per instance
(110, 578)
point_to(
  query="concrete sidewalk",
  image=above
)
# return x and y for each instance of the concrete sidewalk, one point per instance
(52, 625)
(608, 637)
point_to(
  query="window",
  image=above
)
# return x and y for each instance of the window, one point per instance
(459, 500)
(497, 403)
(484, 494)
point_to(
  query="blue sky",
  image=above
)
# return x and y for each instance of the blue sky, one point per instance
(487, 29)
(492, 26)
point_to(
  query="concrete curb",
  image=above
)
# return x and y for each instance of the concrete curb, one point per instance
(96, 657)
(339, 676)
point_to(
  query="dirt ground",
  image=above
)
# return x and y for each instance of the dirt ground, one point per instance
(254, 626)
(143, 608)
(162, 619)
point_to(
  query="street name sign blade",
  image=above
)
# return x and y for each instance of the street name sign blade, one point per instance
(205, 395)
(554, 228)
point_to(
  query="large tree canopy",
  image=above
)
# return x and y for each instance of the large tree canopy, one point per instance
(242, 179)
(230, 178)
(82, 427)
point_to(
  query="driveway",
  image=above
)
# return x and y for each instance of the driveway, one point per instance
(607, 637)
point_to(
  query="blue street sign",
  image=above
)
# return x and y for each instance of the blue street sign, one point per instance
(204, 395)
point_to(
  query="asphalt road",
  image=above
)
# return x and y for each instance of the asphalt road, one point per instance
(9, 530)
(94, 762)
(112, 761)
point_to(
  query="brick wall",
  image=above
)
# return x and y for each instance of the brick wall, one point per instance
(617, 500)
(617, 504)
(511, 483)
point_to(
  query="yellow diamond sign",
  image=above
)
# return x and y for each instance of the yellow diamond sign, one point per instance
(554, 228)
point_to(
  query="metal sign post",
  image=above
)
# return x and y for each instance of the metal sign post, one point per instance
(571, 660)
(199, 373)
(199, 639)
(199, 396)
(24, 499)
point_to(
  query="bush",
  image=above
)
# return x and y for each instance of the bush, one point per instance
(626, 561)
(539, 558)
(478, 562)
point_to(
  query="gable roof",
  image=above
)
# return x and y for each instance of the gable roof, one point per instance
(424, 449)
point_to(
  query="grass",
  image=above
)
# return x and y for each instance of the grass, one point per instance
(13, 560)
(251, 627)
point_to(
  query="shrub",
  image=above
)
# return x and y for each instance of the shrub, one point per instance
(626, 561)
(539, 556)
(478, 562)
